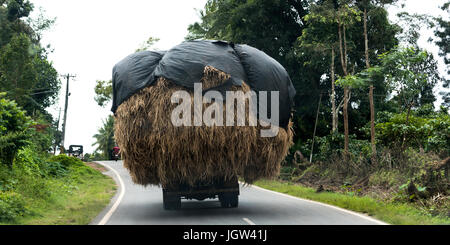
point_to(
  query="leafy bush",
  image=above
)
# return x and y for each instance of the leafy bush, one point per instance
(28, 162)
(333, 144)
(43, 134)
(35, 181)
(56, 169)
(66, 161)
(11, 206)
(14, 130)
(7, 179)
(430, 134)
(95, 156)
(87, 157)
(386, 178)
(35, 188)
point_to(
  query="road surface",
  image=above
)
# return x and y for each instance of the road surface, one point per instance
(138, 205)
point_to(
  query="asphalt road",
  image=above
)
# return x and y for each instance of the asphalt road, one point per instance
(138, 205)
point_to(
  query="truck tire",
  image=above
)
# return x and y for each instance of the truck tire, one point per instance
(229, 199)
(171, 201)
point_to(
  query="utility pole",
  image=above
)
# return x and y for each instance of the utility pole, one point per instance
(67, 76)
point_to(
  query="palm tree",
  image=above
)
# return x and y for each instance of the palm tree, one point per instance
(105, 138)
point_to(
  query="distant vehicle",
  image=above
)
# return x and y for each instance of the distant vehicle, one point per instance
(76, 151)
(115, 154)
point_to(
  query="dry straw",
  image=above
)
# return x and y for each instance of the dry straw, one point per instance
(158, 153)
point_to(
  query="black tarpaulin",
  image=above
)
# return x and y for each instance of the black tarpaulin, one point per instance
(184, 65)
(265, 74)
(132, 74)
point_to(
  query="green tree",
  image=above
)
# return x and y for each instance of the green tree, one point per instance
(366, 7)
(103, 92)
(319, 40)
(105, 138)
(17, 9)
(46, 89)
(17, 73)
(347, 15)
(14, 130)
(273, 27)
(428, 132)
(44, 134)
(360, 43)
(151, 41)
(12, 13)
(411, 25)
(26, 74)
(412, 74)
(442, 32)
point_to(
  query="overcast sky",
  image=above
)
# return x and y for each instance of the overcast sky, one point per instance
(90, 37)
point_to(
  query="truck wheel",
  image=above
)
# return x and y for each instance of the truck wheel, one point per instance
(229, 199)
(171, 201)
(234, 201)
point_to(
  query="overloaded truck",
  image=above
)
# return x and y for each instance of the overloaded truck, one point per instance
(199, 116)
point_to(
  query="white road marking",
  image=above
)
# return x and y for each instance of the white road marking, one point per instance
(248, 221)
(323, 204)
(108, 215)
(116, 204)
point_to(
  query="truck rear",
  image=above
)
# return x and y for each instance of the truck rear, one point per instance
(227, 191)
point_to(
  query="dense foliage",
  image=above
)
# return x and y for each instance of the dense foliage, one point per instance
(31, 180)
(429, 133)
(105, 139)
(336, 50)
(304, 37)
(26, 75)
(103, 92)
(442, 32)
(35, 181)
(14, 130)
(296, 36)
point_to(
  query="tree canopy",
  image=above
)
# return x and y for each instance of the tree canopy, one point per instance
(26, 75)
(287, 31)
(28, 79)
(104, 139)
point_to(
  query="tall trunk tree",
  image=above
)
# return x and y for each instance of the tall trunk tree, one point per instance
(345, 109)
(372, 107)
(366, 39)
(343, 52)
(334, 110)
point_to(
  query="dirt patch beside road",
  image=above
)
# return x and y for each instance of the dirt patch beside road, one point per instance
(96, 166)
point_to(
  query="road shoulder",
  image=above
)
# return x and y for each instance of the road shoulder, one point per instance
(109, 172)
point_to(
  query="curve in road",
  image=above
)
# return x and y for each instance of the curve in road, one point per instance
(138, 205)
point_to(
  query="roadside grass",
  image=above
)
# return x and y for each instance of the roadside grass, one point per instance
(389, 212)
(75, 199)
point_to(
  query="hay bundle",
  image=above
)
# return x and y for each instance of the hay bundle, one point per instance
(156, 152)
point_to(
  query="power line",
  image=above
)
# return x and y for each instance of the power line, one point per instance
(44, 92)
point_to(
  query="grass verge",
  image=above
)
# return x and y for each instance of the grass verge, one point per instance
(392, 213)
(74, 199)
